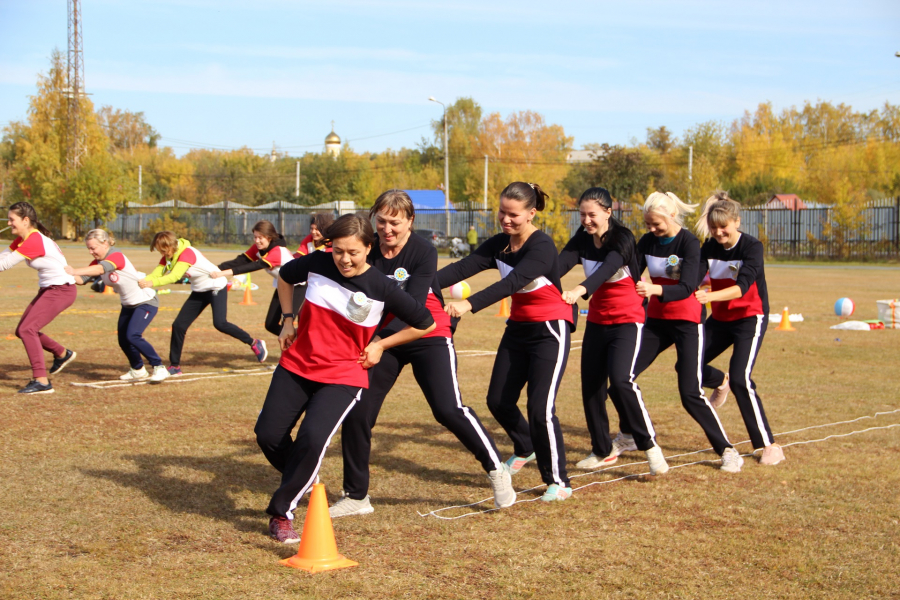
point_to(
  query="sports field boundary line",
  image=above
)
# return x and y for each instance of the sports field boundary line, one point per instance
(434, 513)
(117, 383)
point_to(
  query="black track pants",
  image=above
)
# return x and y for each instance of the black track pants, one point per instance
(433, 362)
(536, 354)
(191, 309)
(273, 316)
(746, 335)
(610, 352)
(326, 406)
(687, 338)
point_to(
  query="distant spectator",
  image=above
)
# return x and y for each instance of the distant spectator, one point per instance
(472, 238)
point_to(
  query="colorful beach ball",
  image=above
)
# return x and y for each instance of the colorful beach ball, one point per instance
(844, 307)
(460, 291)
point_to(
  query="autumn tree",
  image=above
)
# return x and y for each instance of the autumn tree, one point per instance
(463, 123)
(37, 161)
(523, 147)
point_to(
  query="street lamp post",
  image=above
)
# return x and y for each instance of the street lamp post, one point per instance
(446, 166)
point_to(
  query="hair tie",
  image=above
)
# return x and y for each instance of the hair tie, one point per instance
(532, 185)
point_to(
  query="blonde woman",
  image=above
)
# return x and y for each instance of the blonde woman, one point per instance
(671, 254)
(139, 305)
(740, 312)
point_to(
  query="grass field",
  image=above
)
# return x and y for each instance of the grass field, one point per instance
(159, 492)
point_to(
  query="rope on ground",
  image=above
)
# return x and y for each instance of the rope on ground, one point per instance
(434, 513)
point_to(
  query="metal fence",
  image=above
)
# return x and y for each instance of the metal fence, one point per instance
(872, 233)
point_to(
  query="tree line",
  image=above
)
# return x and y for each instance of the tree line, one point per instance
(823, 152)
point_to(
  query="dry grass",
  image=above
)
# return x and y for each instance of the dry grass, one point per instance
(159, 492)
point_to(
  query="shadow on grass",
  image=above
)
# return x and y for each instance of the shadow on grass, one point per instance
(172, 482)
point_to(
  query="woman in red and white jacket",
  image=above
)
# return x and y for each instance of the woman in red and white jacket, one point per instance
(324, 362)
(671, 255)
(269, 252)
(139, 305)
(315, 240)
(612, 336)
(740, 313)
(57, 293)
(535, 346)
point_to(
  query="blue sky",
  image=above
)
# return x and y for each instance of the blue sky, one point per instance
(221, 73)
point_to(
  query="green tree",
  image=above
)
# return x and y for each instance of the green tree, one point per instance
(36, 155)
(463, 122)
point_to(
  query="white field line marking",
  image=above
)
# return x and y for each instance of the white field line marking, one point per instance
(434, 513)
(115, 383)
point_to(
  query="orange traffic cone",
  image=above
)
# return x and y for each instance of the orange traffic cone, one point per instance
(248, 294)
(108, 290)
(785, 324)
(503, 311)
(318, 550)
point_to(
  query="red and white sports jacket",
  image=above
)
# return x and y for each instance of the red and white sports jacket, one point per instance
(42, 254)
(339, 318)
(530, 276)
(674, 266)
(609, 281)
(740, 265)
(124, 280)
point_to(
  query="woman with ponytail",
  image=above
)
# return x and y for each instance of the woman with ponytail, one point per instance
(671, 254)
(740, 312)
(535, 345)
(180, 260)
(57, 293)
(269, 252)
(612, 336)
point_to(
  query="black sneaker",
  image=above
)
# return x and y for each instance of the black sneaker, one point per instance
(60, 363)
(35, 387)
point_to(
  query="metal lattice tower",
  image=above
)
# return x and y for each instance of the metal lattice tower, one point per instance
(75, 91)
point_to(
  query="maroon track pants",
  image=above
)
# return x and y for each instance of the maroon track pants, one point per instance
(49, 302)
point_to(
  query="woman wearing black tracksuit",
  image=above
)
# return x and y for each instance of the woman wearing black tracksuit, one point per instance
(411, 261)
(740, 313)
(671, 254)
(615, 320)
(535, 345)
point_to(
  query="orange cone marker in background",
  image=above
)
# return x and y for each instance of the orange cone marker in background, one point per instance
(248, 294)
(503, 311)
(318, 549)
(785, 324)
(108, 290)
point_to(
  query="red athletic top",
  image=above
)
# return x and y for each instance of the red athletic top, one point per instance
(610, 283)
(675, 266)
(529, 275)
(740, 265)
(339, 318)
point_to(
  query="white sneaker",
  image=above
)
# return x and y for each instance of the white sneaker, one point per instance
(771, 455)
(135, 374)
(160, 374)
(731, 461)
(347, 507)
(720, 394)
(592, 461)
(624, 442)
(501, 484)
(658, 464)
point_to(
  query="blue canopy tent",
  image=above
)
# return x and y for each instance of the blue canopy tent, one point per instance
(427, 199)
